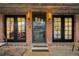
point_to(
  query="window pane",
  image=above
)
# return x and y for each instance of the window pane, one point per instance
(70, 37)
(55, 36)
(66, 36)
(66, 28)
(66, 32)
(12, 24)
(70, 24)
(70, 20)
(66, 24)
(70, 28)
(59, 19)
(59, 36)
(19, 24)
(55, 27)
(19, 19)
(59, 32)
(55, 32)
(55, 24)
(23, 28)
(55, 19)
(59, 23)
(66, 21)
(70, 32)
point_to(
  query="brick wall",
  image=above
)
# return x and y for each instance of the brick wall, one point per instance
(49, 28)
(28, 29)
(1, 29)
(76, 28)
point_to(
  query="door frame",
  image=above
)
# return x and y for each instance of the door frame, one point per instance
(62, 37)
(15, 16)
(33, 15)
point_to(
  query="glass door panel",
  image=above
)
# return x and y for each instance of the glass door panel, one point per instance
(38, 30)
(21, 28)
(57, 28)
(10, 28)
(68, 28)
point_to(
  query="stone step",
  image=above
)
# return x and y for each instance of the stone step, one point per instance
(39, 48)
(39, 44)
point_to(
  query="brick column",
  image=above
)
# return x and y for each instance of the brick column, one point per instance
(1, 28)
(76, 28)
(29, 29)
(49, 27)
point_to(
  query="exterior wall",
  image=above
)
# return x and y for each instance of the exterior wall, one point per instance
(48, 28)
(1, 28)
(76, 27)
(29, 28)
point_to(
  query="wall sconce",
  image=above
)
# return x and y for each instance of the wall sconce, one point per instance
(29, 18)
(49, 16)
(28, 15)
(49, 19)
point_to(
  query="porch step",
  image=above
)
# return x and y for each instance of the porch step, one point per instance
(40, 51)
(39, 48)
(39, 44)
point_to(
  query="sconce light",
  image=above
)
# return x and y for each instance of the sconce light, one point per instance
(49, 16)
(49, 19)
(29, 18)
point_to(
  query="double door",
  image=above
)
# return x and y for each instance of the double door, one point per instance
(63, 28)
(15, 28)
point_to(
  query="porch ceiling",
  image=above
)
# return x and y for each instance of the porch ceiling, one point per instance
(21, 8)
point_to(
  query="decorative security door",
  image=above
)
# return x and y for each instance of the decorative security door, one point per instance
(15, 28)
(63, 28)
(39, 28)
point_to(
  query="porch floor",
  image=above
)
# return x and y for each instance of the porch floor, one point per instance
(57, 50)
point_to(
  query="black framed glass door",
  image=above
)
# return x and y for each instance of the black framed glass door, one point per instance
(63, 28)
(39, 28)
(15, 28)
